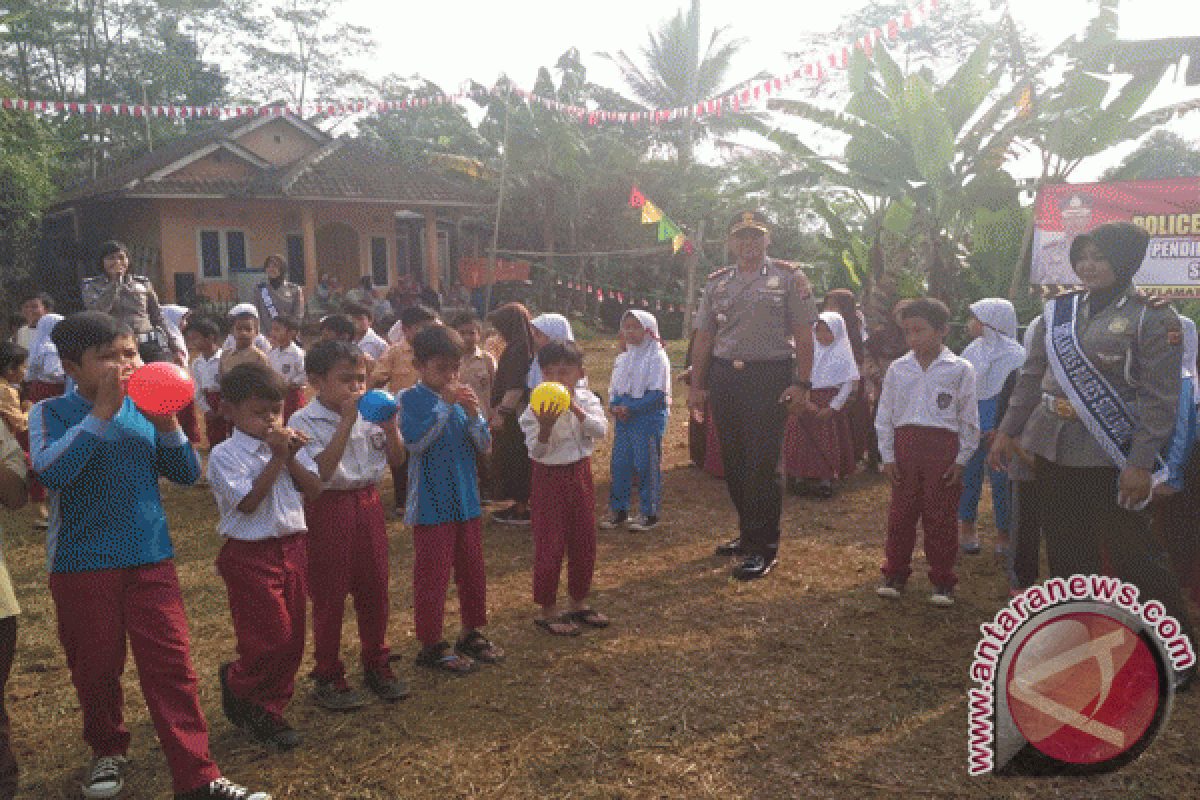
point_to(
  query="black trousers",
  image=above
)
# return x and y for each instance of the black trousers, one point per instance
(750, 421)
(1078, 510)
(8, 762)
(1026, 537)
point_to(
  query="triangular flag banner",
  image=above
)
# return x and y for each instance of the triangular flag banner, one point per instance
(650, 213)
(664, 233)
(677, 242)
(688, 249)
(636, 198)
(670, 227)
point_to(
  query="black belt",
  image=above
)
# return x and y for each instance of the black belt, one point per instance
(739, 364)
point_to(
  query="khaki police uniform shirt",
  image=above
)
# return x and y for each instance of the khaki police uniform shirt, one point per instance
(752, 314)
(130, 299)
(287, 300)
(1138, 349)
(11, 457)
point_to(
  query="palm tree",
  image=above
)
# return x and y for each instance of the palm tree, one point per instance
(677, 75)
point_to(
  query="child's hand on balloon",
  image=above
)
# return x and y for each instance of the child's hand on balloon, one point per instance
(280, 442)
(468, 400)
(546, 417)
(296, 442)
(110, 396)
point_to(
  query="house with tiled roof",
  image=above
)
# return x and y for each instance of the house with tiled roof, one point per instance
(202, 213)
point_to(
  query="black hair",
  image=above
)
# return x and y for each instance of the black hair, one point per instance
(929, 309)
(436, 341)
(42, 297)
(324, 355)
(288, 322)
(357, 310)
(77, 333)
(465, 319)
(339, 325)
(248, 381)
(415, 315)
(107, 249)
(203, 325)
(242, 316)
(12, 355)
(555, 352)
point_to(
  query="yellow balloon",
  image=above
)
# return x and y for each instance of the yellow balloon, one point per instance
(550, 396)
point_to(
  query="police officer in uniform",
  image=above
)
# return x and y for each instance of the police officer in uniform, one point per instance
(1136, 344)
(277, 297)
(753, 355)
(130, 299)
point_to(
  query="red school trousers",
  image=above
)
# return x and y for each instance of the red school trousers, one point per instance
(438, 551)
(562, 507)
(348, 551)
(265, 581)
(97, 612)
(216, 428)
(923, 455)
(293, 401)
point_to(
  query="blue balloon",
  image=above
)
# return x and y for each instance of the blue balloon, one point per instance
(377, 406)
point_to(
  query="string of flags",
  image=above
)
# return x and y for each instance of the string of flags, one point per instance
(668, 231)
(814, 70)
(630, 297)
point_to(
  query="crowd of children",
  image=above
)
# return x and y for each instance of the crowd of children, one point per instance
(295, 468)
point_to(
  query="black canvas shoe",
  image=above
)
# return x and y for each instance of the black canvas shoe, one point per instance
(106, 778)
(384, 683)
(234, 709)
(337, 695)
(272, 731)
(753, 567)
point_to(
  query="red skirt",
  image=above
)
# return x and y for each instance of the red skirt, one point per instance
(862, 424)
(818, 448)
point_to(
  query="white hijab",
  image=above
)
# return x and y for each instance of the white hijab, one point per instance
(1189, 357)
(644, 368)
(558, 328)
(44, 364)
(173, 317)
(997, 352)
(833, 365)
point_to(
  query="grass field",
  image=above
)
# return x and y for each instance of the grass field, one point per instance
(802, 685)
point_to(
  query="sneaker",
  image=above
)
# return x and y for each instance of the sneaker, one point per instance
(644, 523)
(753, 567)
(942, 596)
(890, 588)
(336, 695)
(222, 789)
(384, 683)
(511, 516)
(617, 520)
(105, 779)
(272, 731)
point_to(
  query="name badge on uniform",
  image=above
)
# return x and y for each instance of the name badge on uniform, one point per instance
(773, 282)
(1118, 325)
(944, 399)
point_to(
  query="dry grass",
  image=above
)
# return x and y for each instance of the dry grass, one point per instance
(803, 685)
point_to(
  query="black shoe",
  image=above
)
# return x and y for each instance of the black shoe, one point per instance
(731, 548)
(753, 567)
(384, 683)
(272, 731)
(221, 789)
(235, 709)
(797, 488)
(336, 695)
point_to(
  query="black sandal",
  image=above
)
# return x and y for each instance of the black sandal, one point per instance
(562, 619)
(477, 646)
(438, 658)
(590, 618)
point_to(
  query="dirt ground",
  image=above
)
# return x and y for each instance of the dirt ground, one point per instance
(802, 685)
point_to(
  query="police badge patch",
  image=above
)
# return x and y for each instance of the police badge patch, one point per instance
(944, 399)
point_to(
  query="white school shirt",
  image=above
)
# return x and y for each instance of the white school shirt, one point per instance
(289, 363)
(372, 344)
(233, 466)
(571, 440)
(364, 461)
(204, 376)
(942, 396)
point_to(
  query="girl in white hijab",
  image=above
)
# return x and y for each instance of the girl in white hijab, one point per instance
(44, 370)
(547, 328)
(997, 356)
(819, 447)
(639, 395)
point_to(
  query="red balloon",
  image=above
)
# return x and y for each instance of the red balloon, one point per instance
(161, 388)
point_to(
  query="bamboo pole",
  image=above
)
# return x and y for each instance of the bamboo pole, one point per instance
(487, 302)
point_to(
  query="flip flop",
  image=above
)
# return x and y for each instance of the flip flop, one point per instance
(590, 618)
(561, 619)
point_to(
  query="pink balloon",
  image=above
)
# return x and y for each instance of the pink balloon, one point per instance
(161, 388)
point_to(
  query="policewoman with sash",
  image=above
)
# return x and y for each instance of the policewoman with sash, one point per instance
(277, 297)
(1095, 405)
(752, 354)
